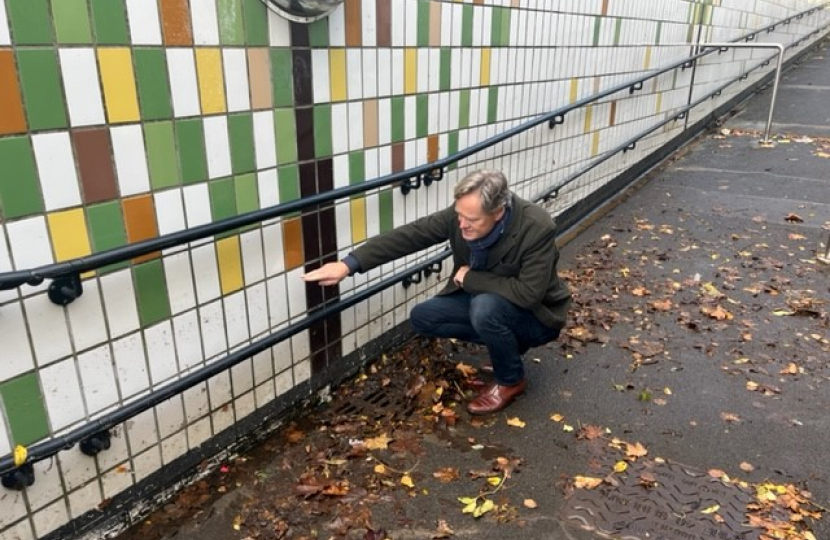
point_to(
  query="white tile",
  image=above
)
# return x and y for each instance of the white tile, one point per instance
(98, 379)
(119, 302)
(397, 70)
(222, 418)
(197, 205)
(354, 73)
(5, 443)
(86, 318)
(337, 27)
(423, 70)
(411, 24)
(206, 273)
(370, 73)
(76, 469)
(235, 63)
(47, 324)
(296, 293)
(170, 416)
(434, 73)
(17, 350)
(302, 371)
(169, 211)
(218, 146)
(29, 240)
(62, 393)
(161, 351)
(130, 159)
(50, 518)
(277, 300)
(212, 324)
(47, 487)
(398, 25)
(339, 117)
(384, 69)
(384, 121)
(320, 75)
(84, 499)
(81, 84)
(22, 530)
(14, 507)
(279, 30)
(173, 447)
(188, 340)
(117, 453)
(141, 431)
(144, 22)
(195, 403)
(146, 463)
(265, 143)
(268, 187)
(116, 480)
(236, 318)
(242, 378)
(410, 114)
(219, 390)
(253, 257)
(272, 240)
(446, 24)
(257, 301)
(244, 406)
(5, 39)
(179, 277)
(355, 111)
(184, 87)
(263, 367)
(205, 23)
(198, 432)
(284, 382)
(130, 365)
(340, 165)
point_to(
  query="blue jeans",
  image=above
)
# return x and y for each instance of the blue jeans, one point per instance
(504, 328)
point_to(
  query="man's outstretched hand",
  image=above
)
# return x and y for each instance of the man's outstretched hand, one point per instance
(328, 274)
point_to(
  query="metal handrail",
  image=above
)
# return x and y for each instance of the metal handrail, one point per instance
(52, 446)
(424, 173)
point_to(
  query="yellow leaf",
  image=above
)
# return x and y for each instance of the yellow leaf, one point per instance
(516, 422)
(557, 417)
(711, 509)
(380, 442)
(751, 386)
(20, 455)
(469, 508)
(809, 536)
(782, 312)
(485, 507)
(586, 482)
(237, 523)
(467, 500)
(667, 391)
(494, 480)
(380, 468)
(530, 503)
(620, 466)
(567, 428)
(407, 481)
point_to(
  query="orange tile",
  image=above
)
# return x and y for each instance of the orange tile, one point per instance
(292, 241)
(612, 117)
(12, 119)
(259, 78)
(140, 219)
(175, 22)
(435, 24)
(604, 8)
(432, 148)
(354, 24)
(370, 123)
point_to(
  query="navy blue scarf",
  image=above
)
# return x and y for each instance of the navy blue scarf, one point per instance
(480, 248)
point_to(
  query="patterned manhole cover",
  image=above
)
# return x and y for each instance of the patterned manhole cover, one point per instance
(673, 509)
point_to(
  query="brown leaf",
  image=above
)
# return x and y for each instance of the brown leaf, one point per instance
(586, 482)
(635, 450)
(466, 371)
(414, 386)
(730, 417)
(794, 218)
(640, 291)
(446, 474)
(530, 503)
(716, 313)
(380, 534)
(661, 305)
(590, 432)
(746, 467)
(294, 435)
(381, 442)
(443, 530)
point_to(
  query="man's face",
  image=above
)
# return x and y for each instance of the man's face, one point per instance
(473, 221)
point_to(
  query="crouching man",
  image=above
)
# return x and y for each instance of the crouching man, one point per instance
(503, 291)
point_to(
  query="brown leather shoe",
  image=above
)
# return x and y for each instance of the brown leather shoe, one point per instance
(496, 397)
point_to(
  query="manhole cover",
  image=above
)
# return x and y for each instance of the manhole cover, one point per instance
(376, 403)
(671, 510)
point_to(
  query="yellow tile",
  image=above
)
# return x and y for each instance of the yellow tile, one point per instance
(358, 220)
(595, 144)
(647, 61)
(485, 66)
(211, 80)
(230, 264)
(411, 68)
(337, 73)
(70, 238)
(574, 90)
(118, 79)
(659, 102)
(589, 118)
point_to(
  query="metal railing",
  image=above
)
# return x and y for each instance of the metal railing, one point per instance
(94, 435)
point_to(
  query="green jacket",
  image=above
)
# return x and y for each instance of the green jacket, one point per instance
(521, 266)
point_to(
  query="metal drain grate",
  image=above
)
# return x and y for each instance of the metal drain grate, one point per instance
(376, 403)
(672, 510)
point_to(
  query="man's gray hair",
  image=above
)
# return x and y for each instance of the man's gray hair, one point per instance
(491, 186)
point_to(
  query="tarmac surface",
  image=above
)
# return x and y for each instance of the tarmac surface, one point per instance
(687, 399)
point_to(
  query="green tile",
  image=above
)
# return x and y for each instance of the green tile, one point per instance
(597, 30)
(467, 25)
(322, 131)
(281, 78)
(71, 21)
(385, 204)
(109, 19)
(495, 26)
(493, 105)
(256, 23)
(446, 65)
(161, 154)
(659, 32)
(318, 33)
(222, 198)
(423, 23)
(106, 224)
(19, 186)
(41, 88)
(247, 195)
(289, 183)
(151, 290)
(190, 143)
(464, 109)
(153, 88)
(241, 133)
(230, 13)
(452, 147)
(398, 119)
(25, 409)
(422, 115)
(617, 31)
(29, 22)
(357, 167)
(285, 131)
(505, 27)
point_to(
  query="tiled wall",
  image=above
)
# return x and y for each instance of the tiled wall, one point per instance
(122, 120)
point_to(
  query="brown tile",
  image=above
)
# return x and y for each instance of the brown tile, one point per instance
(301, 70)
(93, 151)
(432, 148)
(435, 24)
(259, 78)
(175, 23)
(311, 236)
(354, 24)
(140, 220)
(398, 157)
(370, 123)
(383, 20)
(308, 180)
(299, 34)
(612, 117)
(12, 119)
(292, 241)
(305, 133)
(604, 11)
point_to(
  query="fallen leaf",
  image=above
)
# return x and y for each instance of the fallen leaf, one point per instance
(406, 480)
(494, 480)
(717, 313)
(586, 482)
(556, 417)
(482, 509)
(380, 468)
(620, 466)
(635, 450)
(443, 530)
(590, 432)
(795, 236)
(237, 523)
(567, 428)
(530, 503)
(746, 467)
(20, 455)
(730, 417)
(782, 312)
(466, 370)
(710, 510)
(446, 474)
(794, 218)
(381, 442)
(791, 369)
(662, 305)
(516, 422)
